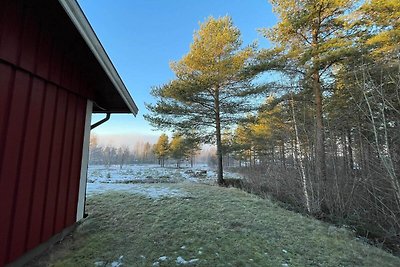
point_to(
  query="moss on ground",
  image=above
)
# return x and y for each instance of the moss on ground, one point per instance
(217, 226)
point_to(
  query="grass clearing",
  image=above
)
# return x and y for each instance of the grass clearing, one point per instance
(210, 225)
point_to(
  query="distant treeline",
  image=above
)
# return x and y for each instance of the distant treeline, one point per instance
(111, 155)
(175, 152)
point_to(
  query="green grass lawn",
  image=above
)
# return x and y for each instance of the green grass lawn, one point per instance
(210, 225)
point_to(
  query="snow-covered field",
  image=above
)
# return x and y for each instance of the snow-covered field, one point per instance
(144, 179)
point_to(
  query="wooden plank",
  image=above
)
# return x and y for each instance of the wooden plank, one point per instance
(27, 170)
(7, 76)
(10, 163)
(39, 186)
(11, 32)
(42, 64)
(67, 74)
(65, 170)
(56, 62)
(54, 163)
(29, 42)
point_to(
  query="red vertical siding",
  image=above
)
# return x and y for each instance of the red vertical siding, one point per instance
(9, 167)
(6, 80)
(27, 166)
(29, 40)
(45, 45)
(54, 164)
(63, 190)
(40, 161)
(41, 174)
(11, 31)
(43, 95)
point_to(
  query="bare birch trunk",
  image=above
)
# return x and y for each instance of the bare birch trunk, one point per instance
(300, 159)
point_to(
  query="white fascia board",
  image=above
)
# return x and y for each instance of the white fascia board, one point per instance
(80, 21)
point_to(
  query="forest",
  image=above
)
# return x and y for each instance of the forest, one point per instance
(313, 120)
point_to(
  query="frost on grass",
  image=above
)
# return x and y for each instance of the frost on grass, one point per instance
(138, 178)
(154, 192)
(143, 173)
(152, 173)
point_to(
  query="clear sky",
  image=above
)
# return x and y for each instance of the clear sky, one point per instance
(143, 36)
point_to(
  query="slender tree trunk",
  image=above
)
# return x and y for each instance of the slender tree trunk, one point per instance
(302, 172)
(350, 152)
(294, 152)
(283, 157)
(220, 175)
(345, 155)
(254, 157)
(320, 162)
(320, 147)
(249, 158)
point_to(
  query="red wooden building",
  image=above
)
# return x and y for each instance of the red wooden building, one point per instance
(53, 74)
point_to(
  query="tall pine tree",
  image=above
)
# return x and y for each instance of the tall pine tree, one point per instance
(309, 39)
(210, 91)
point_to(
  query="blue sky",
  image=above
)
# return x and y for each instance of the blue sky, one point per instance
(143, 36)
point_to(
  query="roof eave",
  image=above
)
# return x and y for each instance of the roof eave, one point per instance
(81, 23)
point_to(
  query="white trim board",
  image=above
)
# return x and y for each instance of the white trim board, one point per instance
(84, 164)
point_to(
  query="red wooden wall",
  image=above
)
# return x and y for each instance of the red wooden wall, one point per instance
(43, 95)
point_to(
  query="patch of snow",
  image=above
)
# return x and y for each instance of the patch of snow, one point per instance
(163, 258)
(193, 261)
(117, 263)
(181, 260)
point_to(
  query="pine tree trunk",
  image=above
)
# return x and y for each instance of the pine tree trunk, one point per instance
(320, 147)
(220, 176)
(320, 162)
